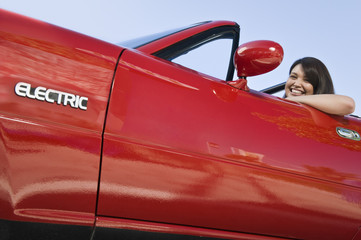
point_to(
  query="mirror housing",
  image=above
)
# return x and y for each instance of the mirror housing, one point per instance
(257, 57)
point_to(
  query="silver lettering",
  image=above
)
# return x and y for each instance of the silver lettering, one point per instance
(58, 101)
(69, 98)
(83, 102)
(76, 101)
(47, 96)
(40, 93)
(29, 94)
(23, 89)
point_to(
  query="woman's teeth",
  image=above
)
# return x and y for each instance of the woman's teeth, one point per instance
(296, 91)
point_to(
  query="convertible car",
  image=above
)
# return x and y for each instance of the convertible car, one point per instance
(157, 139)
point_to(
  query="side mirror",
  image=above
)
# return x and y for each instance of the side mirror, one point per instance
(257, 57)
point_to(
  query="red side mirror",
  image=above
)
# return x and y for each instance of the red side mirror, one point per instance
(257, 57)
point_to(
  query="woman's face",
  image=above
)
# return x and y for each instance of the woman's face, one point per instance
(297, 84)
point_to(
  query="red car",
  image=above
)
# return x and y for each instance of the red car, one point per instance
(100, 141)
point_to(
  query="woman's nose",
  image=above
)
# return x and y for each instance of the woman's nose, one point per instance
(297, 82)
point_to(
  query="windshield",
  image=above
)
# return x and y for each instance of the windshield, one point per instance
(138, 42)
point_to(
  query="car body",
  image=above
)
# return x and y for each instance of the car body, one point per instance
(101, 141)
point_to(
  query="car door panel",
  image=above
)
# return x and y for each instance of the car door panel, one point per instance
(184, 148)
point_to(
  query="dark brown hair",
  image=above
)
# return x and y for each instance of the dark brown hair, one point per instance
(316, 74)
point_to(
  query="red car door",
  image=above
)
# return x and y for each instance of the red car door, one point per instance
(188, 150)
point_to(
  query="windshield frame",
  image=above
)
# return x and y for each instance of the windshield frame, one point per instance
(144, 40)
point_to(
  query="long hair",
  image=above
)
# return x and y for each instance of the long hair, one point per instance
(316, 74)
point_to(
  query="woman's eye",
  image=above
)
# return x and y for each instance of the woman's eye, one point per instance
(293, 77)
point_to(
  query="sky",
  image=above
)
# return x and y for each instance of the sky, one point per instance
(327, 30)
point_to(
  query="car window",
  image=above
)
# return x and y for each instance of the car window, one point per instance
(209, 52)
(211, 58)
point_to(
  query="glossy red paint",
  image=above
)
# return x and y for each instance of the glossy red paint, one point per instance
(182, 152)
(240, 84)
(212, 156)
(257, 57)
(358, 235)
(105, 222)
(50, 153)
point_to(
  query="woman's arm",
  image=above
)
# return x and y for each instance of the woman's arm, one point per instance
(328, 103)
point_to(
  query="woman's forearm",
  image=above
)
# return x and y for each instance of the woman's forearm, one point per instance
(328, 103)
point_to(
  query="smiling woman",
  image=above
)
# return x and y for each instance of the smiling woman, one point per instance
(310, 83)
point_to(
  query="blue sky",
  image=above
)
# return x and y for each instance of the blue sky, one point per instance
(328, 30)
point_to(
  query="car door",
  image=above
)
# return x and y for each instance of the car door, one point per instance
(184, 149)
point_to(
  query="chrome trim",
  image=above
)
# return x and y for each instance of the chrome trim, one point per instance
(347, 133)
